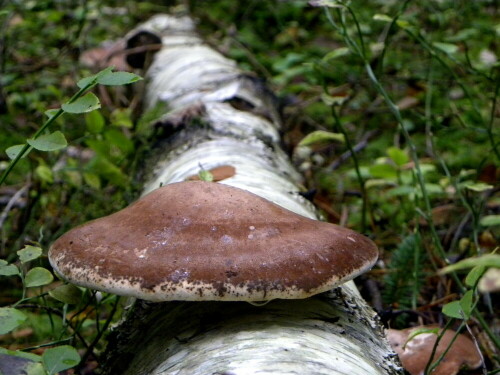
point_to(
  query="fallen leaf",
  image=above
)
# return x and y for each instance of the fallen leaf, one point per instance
(415, 353)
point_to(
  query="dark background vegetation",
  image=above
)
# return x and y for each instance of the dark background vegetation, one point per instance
(437, 66)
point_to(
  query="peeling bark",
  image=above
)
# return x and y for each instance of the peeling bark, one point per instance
(220, 116)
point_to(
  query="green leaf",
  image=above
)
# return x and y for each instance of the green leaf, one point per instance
(86, 103)
(400, 191)
(206, 175)
(488, 260)
(45, 173)
(38, 276)
(490, 220)
(29, 253)
(51, 112)
(433, 189)
(382, 17)
(85, 82)
(122, 117)
(92, 180)
(10, 319)
(35, 369)
(94, 121)
(321, 137)
(453, 310)
(378, 182)
(333, 100)
(403, 24)
(420, 331)
(104, 168)
(60, 358)
(100, 146)
(118, 78)
(474, 275)
(427, 168)
(117, 138)
(385, 171)
(12, 151)
(8, 269)
(446, 47)
(327, 3)
(476, 186)
(398, 156)
(68, 293)
(336, 53)
(49, 142)
(466, 303)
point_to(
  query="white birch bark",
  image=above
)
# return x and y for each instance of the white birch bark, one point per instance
(332, 333)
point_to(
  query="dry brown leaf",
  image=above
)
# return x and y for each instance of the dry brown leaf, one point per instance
(416, 352)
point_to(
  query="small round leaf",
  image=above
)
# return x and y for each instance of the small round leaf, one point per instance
(478, 187)
(118, 78)
(60, 358)
(49, 142)
(38, 276)
(398, 156)
(29, 253)
(86, 103)
(10, 319)
(13, 151)
(8, 270)
(69, 294)
(92, 80)
(453, 310)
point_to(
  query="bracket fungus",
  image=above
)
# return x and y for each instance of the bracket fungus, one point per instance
(201, 240)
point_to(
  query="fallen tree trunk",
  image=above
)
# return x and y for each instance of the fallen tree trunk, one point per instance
(219, 116)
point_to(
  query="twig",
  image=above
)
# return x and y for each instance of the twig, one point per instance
(58, 313)
(11, 203)
(476, 344)
(90, 349)
(357, 148)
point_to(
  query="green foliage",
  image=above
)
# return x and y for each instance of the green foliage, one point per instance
(406, 275)
(60, 358)
(29, 281)
(205, 175)
(52, 361)
(10, 319)
(7, 269)
(488, 260)
(81, 102)
(319, 137)
(67, 293)
(38, 276)
(29, 253)
(416, 190)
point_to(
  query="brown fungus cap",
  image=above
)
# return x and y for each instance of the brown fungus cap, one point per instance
(207, 241)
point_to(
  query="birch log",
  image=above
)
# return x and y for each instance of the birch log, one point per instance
(220, 116)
